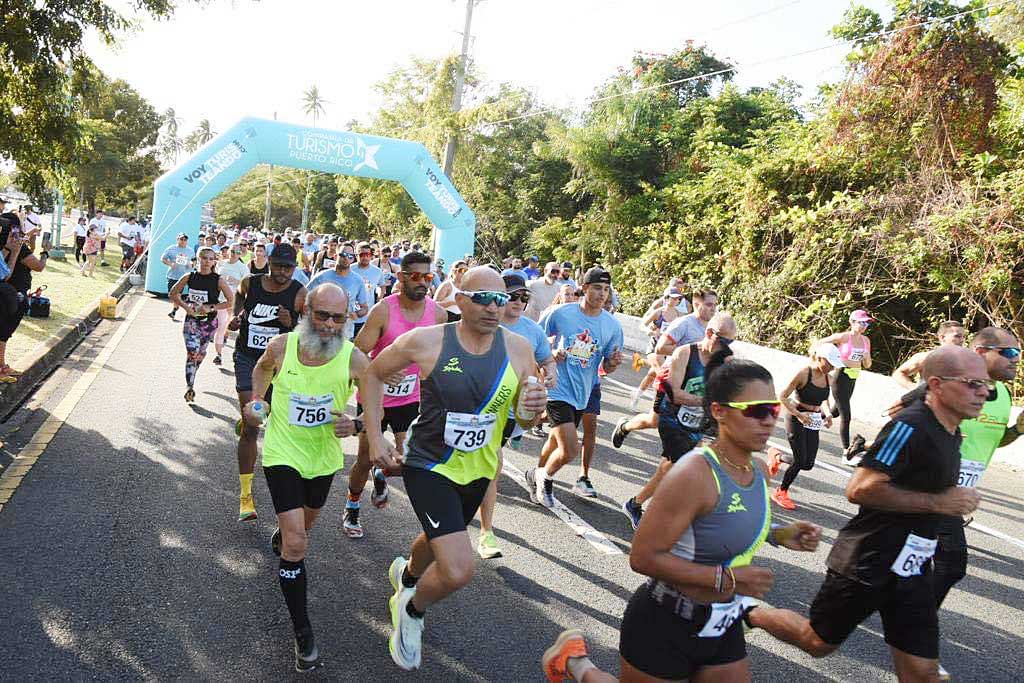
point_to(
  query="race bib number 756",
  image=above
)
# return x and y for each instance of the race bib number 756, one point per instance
(310, 411)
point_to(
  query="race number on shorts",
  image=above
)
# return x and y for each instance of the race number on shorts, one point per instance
(309, 411)
(724, 615)
(403, 388)
(467, 431)
(970, 473)
(260, 336)
(916, 551)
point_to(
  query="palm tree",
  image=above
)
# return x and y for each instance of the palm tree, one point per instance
(204, 132)
(171, 145)
(313, 105)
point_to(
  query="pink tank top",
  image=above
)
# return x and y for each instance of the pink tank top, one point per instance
(848, 352)
(409, 390)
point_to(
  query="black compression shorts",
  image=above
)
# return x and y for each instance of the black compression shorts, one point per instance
(288, 490)
(443, 506)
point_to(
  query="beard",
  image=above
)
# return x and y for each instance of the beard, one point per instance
(313, 342)
(416, 293)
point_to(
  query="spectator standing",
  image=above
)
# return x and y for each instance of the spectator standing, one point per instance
(24, 264)
(81, 230)
(90, 247)
(100, 227)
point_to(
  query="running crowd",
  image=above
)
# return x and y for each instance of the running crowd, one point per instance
(457, 363)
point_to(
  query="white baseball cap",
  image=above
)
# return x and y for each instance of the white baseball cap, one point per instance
(830, 352)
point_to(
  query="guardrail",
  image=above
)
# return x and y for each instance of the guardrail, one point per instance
(874, 391)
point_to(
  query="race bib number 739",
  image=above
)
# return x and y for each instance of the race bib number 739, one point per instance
(468, 431)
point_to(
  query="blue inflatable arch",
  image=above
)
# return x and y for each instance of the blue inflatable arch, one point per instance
(180, 194)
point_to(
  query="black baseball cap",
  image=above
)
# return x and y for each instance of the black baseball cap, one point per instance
(514, 282)
(597, 275)
(283, 254)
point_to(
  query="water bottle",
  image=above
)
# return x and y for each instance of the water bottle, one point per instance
(522, 412)
(259, 409)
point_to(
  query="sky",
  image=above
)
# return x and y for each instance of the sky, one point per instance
(232, 58)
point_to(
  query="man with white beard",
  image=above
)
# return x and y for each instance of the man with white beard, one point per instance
(310, 370)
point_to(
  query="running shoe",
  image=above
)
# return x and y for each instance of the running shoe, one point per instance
(353, 529)
(634, 398)
(395, 573)
(944, 675)
(539, 432)
(246, 508)
(638, 362)
(546, 492)
(531, 484)
(774, 461)
(854, 461)
(307, 658)
(379, 497)
(171, 315)
(584, 488)
(620, 433)
(190, 395)
(406, 641)
(487, 546)
(555, 661)
(782, 499)
(856, 447)
(634, 511)
(217, 360)
(275, 542)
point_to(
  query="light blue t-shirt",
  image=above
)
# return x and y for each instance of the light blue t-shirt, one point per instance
(531, 273)
(570, 281)
(587, 342)
(374, 277)
(179, 269)
(354, 285)
(300, 276)
(534, 334)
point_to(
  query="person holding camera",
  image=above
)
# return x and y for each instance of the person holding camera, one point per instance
(14, 290)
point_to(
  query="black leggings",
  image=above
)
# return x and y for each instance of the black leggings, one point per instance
(804, 444)
(841, 396)
(79, 244)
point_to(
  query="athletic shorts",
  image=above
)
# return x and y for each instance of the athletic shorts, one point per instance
(675, 441)
(594, 404)
(288, 490)
(398, 418)
(560, 413)
(244, 365)
(910, 618)
(128, 250)
(170, 285)
(443, 506)
(662, 644)
(510, 430)
(950, 534)
(356, 327)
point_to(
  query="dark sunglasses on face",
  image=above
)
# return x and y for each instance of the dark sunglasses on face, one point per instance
(758, 410)
(500, 299)
(366, 253)
(1008, 352)
(417, 277)
(324, 316)
(349, 255)
(520, 295)
(554, 272)
(725, 340)
(973, 384)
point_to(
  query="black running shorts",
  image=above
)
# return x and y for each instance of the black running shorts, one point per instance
(397, 418)
(664, 645)
(910, 617)
(560, 413)
(288, 490)
(443, 506)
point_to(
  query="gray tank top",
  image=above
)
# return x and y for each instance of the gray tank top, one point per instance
(738, 525)
(471, 395)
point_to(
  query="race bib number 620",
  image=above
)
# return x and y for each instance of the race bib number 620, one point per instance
(467, 431)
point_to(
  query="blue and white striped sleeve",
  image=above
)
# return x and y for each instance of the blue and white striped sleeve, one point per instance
(889, 452)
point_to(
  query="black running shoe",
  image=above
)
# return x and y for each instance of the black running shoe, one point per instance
(856, 446)
(217, 360)
(307, 658)
(619, 435)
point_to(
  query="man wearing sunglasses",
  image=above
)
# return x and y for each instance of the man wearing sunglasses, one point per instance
(585, 337)
(373, 277)
(354, 285)
(472, 373)
(681, 408)
(391, 318)
(544, 290)
(906, 487)
(311, 371)
(513, 320)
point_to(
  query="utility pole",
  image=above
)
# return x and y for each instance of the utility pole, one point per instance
(460, 80)
(266, 207)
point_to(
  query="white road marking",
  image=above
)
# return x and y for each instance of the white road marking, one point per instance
(579, 525)
(995, 533)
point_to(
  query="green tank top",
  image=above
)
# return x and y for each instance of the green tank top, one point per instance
(983, 433)
(300, 429)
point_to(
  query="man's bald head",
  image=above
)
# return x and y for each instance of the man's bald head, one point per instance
(327, 297)
(482, 279)
(724, 324)
(953, 361)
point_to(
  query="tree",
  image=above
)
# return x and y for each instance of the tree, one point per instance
(202, 134)
(313, 105)
(171, 144)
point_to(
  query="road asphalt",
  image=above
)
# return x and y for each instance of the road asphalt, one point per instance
(122, 557)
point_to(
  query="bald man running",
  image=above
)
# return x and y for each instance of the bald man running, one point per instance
(471, 374)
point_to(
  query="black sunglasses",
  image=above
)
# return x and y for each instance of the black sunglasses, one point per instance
(324, 316)
(520, 295)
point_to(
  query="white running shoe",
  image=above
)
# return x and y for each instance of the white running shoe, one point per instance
(406, 641)
(944, 675)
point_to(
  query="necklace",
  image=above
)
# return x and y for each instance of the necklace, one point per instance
(742, 468)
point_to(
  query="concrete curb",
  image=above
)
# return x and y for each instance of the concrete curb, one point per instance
(46, 356)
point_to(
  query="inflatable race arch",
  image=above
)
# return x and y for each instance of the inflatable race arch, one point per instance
(179, 195)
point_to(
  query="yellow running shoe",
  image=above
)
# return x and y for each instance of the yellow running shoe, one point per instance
(487, 547)
(246, 509)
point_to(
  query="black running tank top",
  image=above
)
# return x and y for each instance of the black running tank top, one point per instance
(259, 322)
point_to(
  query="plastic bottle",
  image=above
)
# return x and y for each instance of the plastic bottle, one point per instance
(522, 412)
(259, 409)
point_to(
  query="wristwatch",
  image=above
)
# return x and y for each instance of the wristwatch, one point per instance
(358, 425)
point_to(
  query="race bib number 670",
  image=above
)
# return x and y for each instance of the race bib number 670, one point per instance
(468, 431)
(310, 411)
